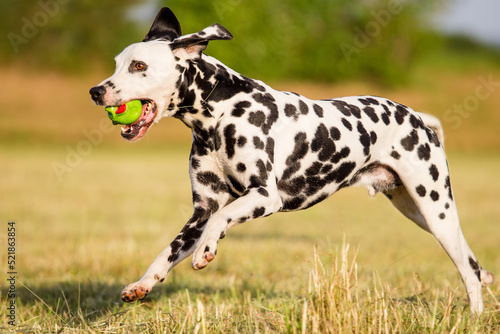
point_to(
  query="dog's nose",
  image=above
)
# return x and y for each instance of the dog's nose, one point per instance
(97, 92)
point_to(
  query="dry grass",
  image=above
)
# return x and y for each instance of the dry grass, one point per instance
(81, 240)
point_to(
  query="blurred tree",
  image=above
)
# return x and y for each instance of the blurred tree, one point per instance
(325, 40)
(63, 33)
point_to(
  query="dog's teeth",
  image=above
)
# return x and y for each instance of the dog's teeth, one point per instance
(123, 129)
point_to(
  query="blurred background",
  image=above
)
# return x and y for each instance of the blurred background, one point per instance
(432, 55)
(90, 205)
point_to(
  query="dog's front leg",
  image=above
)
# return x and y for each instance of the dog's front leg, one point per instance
(182, 246)
(210, 194)
(255, 203)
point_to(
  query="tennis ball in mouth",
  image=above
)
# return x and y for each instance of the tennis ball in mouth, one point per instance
(127, 113)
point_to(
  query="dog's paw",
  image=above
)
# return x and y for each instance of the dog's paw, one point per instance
(133, 292)
(207, 257)
(205, 252)
(487, 278)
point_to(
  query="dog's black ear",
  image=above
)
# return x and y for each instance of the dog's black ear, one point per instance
(165, 26)
(195, 43)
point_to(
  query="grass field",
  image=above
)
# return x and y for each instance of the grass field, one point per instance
(92, 214)
(80, 240)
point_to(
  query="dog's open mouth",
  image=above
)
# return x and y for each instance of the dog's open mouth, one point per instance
(138, 129)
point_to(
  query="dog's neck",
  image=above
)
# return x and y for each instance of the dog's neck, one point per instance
(202, 83)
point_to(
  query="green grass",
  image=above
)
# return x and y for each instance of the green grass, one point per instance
(82, 238)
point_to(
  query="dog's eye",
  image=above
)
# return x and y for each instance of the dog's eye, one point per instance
(137, 66)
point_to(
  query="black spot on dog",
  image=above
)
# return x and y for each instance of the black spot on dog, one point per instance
(269, 102)
(270, 149)
(318, 110)
(344, 153)
(326, 168)
(242, 141)
(201, 223)
(447, 185)
(434, 196)
(424, 152)
(447, 206)
(304, 109)
(346, 108)
(110, 84)
(262, 170)
(373, 137)
(259, 144)
(410, 141)
(241, 167)
(290, 170)
(239, 108)
(187, 244)
(314, 169)
(258, 212)
(269, 166)
(292, 187)
(175, 246)
(364, 101)
(323, 143)
(341, 173)
(300, 149)
(368, 101)
(229, 132)
(364, 138)
(314, 184)
(212, 205)
(294, 203)
(475, 266)
(256, 181)
(257, 118)
(395, 155)
(263, 192)
(386, 115)
(291, 111)
(192, 233)
(195, 163)
(421, 190)
(442, 215)
(318, 199)
(347, 124)
(212, 180)
(433, 138)
(400, 113)
(434, 172)
(370, 112)
(335, 133)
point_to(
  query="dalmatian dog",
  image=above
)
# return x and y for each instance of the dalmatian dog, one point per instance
(257, 151)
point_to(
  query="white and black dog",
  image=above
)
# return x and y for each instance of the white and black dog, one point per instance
(257, 151)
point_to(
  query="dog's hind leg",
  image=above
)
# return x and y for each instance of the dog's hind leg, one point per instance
(427, 199)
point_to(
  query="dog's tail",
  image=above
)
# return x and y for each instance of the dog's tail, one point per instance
(434, 124)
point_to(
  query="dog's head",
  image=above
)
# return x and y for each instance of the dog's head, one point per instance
(148, 71)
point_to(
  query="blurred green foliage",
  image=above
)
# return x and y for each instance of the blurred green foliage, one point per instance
(322, 40)
(316, 39)
(64, 34)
